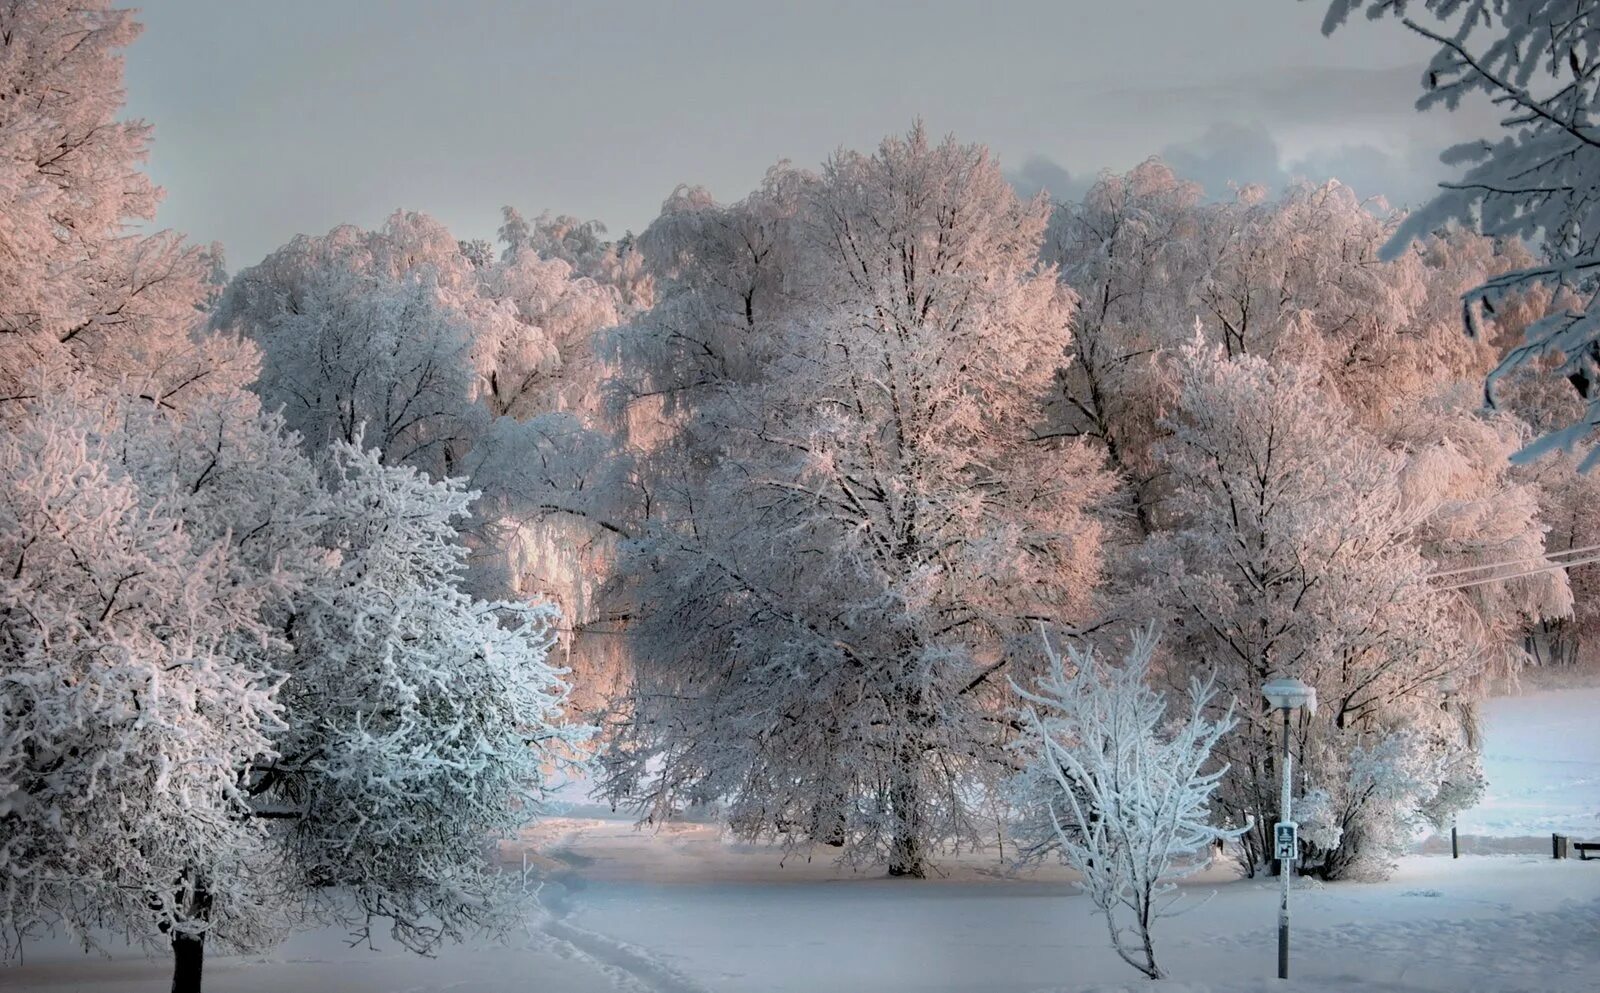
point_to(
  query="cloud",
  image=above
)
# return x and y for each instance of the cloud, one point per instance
(1229, 155)
(1040, 173)
(1408, 178)
(1278, 123)
(1318, 96)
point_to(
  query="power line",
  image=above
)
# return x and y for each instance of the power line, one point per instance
(1547, 557)
(1549, 567)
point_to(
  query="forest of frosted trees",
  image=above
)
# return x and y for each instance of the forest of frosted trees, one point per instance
(313, 574)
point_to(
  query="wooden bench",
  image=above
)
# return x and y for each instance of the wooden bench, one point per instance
(1583, 849)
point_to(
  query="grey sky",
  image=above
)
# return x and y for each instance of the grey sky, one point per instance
(279, 118)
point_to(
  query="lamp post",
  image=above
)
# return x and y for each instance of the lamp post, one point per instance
(1286, 695)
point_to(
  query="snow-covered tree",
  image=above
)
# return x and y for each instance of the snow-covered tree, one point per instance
(727, 276)
(225, 688)
(456, 363)
(168, 549)
(1292, 552)
(359, 337)
(545, 358)
(1567, 501)
(1538, 61)
(420, 720)
(1291, 278)
(1130, 249)
(616, 265)
(152, 523)
(851, 518)
(147, 559)
(1297, 279)
(78, 292)
(1126, 786)
(1479, 510)
(401, 333)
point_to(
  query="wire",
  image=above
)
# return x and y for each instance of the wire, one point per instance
(1549, 556)
(1486, 580)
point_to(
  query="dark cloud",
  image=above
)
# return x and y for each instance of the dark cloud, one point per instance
(1228, 155)
(1040, 173)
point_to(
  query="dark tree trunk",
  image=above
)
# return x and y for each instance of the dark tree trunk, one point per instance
(905, 856)
(188, 955)
(189, 950)
(830, 825)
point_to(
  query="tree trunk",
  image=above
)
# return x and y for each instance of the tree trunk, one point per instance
(189, 950)
(905, 856)
(188, 954)
(905, 851)
(828, 825)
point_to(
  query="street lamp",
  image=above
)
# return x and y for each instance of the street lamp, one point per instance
(1286, 695)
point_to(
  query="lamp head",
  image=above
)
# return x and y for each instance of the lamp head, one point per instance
(1290, 694)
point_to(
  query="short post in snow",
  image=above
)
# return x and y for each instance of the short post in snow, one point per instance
(1287, 695)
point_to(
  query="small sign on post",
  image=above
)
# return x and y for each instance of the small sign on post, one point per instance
(1286, 838)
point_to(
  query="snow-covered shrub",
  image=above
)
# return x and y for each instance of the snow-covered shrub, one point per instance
(1125, 785)
(1374, 799)
(1318, 817)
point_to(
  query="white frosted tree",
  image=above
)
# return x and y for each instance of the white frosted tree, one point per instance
(78, 291)
(1292, 278)
(1292, 551)
(401, 334)
(1567, 501)
(458, 364)
(1297, 279)
(851, 517)
(227, 689)
(617, 265)
(1480, 510)
(148, 558)
(545, 358)
(420, 720)
(166, 545)
(154, 524)
(359, 336)
(1125, 784)
(1130, 248)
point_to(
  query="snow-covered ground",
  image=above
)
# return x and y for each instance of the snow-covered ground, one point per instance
(685, 911)
(1541, 754)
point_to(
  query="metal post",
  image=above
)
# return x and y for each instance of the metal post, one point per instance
(1285, 866)
(1287, 694)
(1455, 848)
